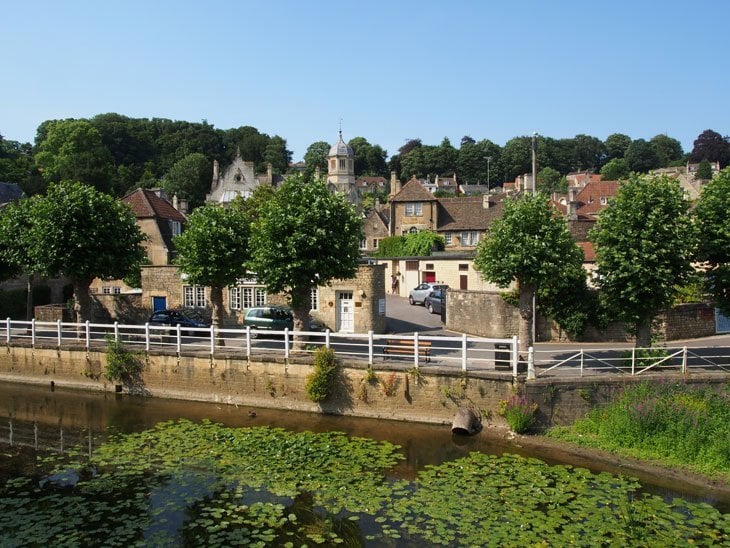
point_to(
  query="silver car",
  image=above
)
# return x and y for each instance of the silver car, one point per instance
(418, 294)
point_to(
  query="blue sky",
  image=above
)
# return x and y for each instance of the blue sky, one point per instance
(390, 71)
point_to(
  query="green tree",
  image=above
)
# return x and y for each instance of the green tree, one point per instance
(189, 178)
(304, 237)
(712, 218)
(316, 157)
(78, 232)
(250, 142)
(614, 170)
(704, 170)
(588, 152)
(277, 154)
(644, 241)
(517, 157)
(549, 180)
(213, 249)
(472, 166)
(369, 159)
(641, 156)
(531, 246)
(667, 149)
(616, 145)
(73, 150)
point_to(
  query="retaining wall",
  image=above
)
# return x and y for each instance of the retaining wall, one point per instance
(433, 395)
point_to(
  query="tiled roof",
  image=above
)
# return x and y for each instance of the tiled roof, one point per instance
(413, 191)
(146, 204)
(589, 197)
(369, 181)
(467, 213)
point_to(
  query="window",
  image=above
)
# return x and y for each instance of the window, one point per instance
(469, 238)
(463, 267)
(175, 228)
(234, 295)
(106, 290)
(343, 164)
(116, 290)
(193, 296)
(253, 296)
(375, 243)
(314, 299)
(413, 230)
(604, 200)
(414, 209)
(429, 266)
(363, 244)
(447, 238)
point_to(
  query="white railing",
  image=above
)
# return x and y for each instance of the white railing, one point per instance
(630, 361)
(415, 350)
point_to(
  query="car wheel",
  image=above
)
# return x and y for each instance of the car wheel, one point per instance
(430, 308)
(410, 300)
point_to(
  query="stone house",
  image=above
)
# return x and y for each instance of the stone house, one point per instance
(237, 179)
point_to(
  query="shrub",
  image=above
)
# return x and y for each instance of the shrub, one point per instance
(519, 412)
(320, 382)
(122, 365)
(389, 383)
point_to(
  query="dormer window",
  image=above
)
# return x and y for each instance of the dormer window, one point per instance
(604, 200)
(175, 228)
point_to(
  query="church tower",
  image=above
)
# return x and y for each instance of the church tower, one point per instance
(341, 170)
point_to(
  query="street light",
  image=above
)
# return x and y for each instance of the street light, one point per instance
(489, 159)
(534, 185)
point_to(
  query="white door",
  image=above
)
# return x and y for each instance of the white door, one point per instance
(345, 312)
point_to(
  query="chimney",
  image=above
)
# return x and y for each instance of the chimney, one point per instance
(573, 203)
(183, 207)
(215, 174)
(485, 201)
(394, 184)
(175, 203)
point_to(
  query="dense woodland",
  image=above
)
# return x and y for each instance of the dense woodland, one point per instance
(115, 154)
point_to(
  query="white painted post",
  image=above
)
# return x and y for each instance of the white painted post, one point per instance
(370, 347)
(147, 337)
(531, 363)
(178, 333)
(212, 339)
(286, 343)
(58, 332)
(684, 360)
(633, 360)
(8, 323)
(116, 331)
(515, 356)
(88, 334)
(248, 342)
(581, 362)
(32, 332)
(415, 349)
(463, 352)
(327, 338)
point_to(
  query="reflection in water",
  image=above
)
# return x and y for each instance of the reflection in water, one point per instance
(57, 419)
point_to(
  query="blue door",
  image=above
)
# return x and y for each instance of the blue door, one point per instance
(159, 303)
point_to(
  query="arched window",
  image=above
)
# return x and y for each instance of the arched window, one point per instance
(413, 230)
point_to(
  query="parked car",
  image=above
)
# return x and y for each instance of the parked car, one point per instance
(270, 318)
(418, 294)
(183, 318)
(434, 302)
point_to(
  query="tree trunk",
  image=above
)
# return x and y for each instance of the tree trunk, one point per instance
(83, 305)
(526, 292)
(300, 305)
(643, 334)
(216, 304)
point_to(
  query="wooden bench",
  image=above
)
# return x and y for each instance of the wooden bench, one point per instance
(406, 346)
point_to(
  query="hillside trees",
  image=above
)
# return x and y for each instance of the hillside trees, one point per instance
(530, 246)
(369, 159)
(713, 227)
(189, 178)
(304, 237)
(711, 146)
(213, 249)
(316, 157)
(644, 242)
(75, 231)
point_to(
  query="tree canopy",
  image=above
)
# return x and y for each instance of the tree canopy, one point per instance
(531, 246)
(76, 231)
(712, 217)
(305, 236)
(189, 179)
(644, 242)
(213, 249)
(712, 146)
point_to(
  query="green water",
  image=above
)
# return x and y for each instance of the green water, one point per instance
(178, 473)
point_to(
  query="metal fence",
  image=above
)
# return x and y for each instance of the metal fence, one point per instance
(415, 350)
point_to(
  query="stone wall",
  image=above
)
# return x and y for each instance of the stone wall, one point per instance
(688, 321)
(432, 396)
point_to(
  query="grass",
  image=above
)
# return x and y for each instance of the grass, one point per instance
(672, 423)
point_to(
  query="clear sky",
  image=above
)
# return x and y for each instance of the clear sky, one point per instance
(390, 70)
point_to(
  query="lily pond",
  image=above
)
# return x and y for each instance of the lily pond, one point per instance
(81, 469)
